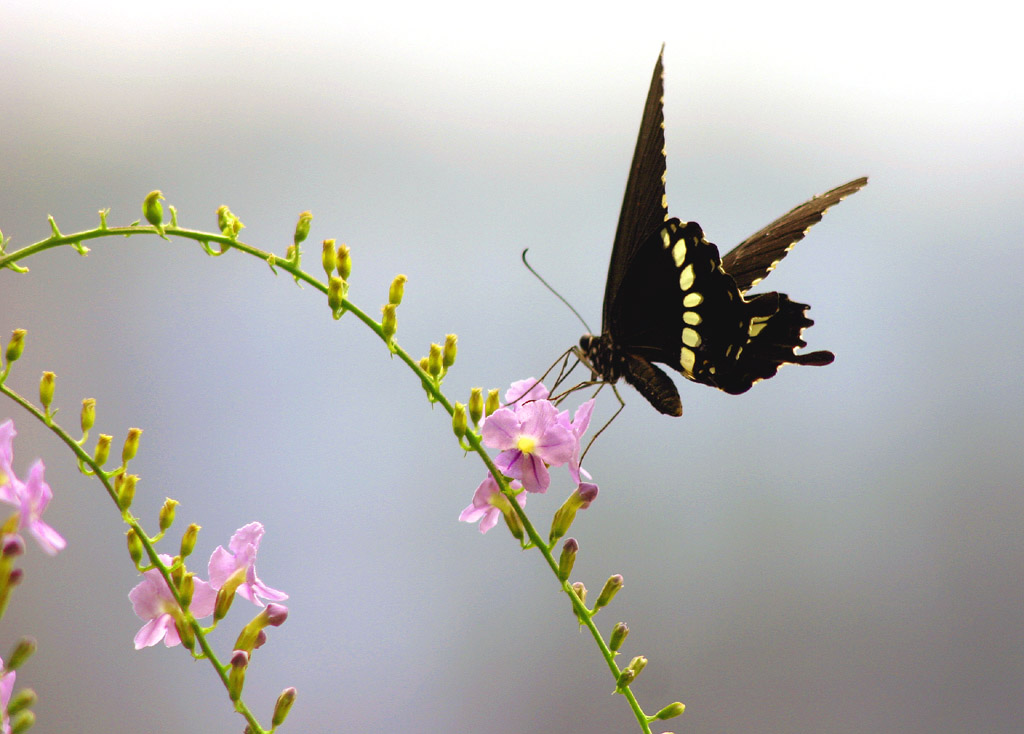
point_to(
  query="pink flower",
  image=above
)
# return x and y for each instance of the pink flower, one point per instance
(530, 438)
(489, 503)
(6, 688)
(241, 556)
(32, 497)
(523, 391)
(578, 426)
(152, 601)
(7, 479)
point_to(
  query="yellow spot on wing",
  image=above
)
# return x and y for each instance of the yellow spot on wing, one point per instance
(692, 300)
(686, 278)
(690, 337)
(691, 317)
(679, 252)
(686, 360)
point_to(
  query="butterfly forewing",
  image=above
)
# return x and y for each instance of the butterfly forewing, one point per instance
(750, 261)
(643, 205)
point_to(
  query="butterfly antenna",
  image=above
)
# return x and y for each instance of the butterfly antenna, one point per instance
(557, 294)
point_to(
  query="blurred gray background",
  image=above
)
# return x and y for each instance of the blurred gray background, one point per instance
(838, 550)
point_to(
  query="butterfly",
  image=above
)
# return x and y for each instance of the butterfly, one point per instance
(671, 299)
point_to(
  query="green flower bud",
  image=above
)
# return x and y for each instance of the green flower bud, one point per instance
(434, 363)
(23, 721)
(134, 546)
(329, 258)
(24, 699)
(185, 631)
(224, 217)
(25, 649)
(581, 592)
(568, 558)
(188, 540)
(302, 227)
(611, 588)
(283, 706)
(638, 664)
(459, 420)
(619, 634)
(397, 290)
(493, 402)
(337, 289)
(88, 414)
(236, 675)
(344, 261)
(126, 492)
(131, 445)
(47, 384)
(16, 345)
(226, 594)
(625, 678)
(187, 588)
(389, 322)
(424, 364)
(153, 211)
(513, 521)
(670, 712)
(476, 405)
(102, 452)
(450, 350)
(167, 513)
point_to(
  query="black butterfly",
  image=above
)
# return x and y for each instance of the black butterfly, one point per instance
(671, 299)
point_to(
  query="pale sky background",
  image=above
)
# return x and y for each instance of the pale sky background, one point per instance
(838, 550)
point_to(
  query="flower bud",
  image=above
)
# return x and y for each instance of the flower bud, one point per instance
(47, 385)
(15, 577)
(126, 493)
(283, 706)
(476, 405)
(344, 258)
(434, 361)
(580, 499)
(25, 649)
(329, 258)
(450, 350)
(186, 588)
(514, 522)
(459, 420)
(16, 345)
(619, 633)
(397, 290)
(24, 699)
(302, 227)
(236, 675)
(88, 414)
(134, 546)
(273, 615)
(224, 217)
(13, 545)
(153, 211)
(226, 595)
(670, 712)
(389, 322)
(185, 632)
(167, 513)
(581, 592)
(188, 540)
(568, 558)
(102, 452)
(493, 402)
(424, 364)
(637, 664)
(22, 721)
(611, 588)
(337, 289)
(131, 445)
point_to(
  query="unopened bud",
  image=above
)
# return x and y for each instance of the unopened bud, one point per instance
(337, 289)
(102, 452)
(126, 493)
(568, 558)
(283, 706)
(131, 445)
(670, 712)
(434, 361)
(47, 385)
(25, 649)
(302, 227)
(611, 588)
(564, 517)
(13, 546)
(23, 721)
(16, 345)
(24, 699)
(459, 423)
(186, 588)
(397, 290)
(134, 546)
(344, 261)
(329, 258)
(88, 414)
(185, 631)
(450, 350)
(153, 211)
(493, 402)
(236, 675)
(167, 513)
(619, 634)
(580, 591)
(389, 322)
(476, 405)
(188, 540)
